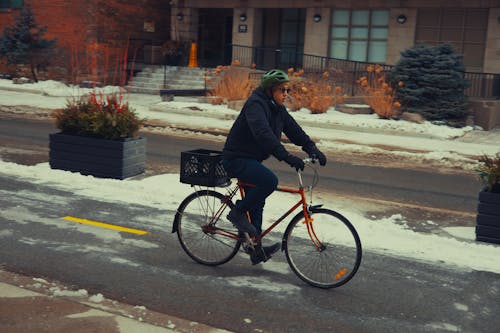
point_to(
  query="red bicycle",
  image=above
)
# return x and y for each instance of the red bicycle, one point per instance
(321, 246)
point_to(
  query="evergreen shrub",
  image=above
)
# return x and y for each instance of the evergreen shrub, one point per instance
(434, 83)
(23, 43)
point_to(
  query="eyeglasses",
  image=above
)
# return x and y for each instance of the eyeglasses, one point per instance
(285, 90)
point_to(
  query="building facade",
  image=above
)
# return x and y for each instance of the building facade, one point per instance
(357, 30)
(271, 33)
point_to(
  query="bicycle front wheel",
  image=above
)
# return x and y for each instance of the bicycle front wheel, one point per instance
(325, 254)
(203, 230)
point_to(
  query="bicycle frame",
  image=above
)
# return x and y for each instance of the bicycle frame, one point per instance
(302, 202)
(301, 190)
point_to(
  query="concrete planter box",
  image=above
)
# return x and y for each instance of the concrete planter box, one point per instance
(101, 158)
(486, 113)
(488, 217)
(354, 108)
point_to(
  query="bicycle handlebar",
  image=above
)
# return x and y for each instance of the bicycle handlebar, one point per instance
(307, 161)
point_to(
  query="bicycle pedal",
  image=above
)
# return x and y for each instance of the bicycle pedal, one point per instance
(258, 256)
(248, 248)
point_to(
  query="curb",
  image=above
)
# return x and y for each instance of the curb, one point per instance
(18, 290)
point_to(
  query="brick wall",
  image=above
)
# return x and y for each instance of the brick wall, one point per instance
(97, 32)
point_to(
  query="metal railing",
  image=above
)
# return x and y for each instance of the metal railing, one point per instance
(482, 85)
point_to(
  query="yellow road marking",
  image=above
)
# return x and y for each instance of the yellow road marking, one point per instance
(105, 225)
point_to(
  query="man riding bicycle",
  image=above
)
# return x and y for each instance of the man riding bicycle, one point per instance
(254, 136)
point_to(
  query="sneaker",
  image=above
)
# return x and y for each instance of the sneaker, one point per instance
(263, 253)
(240, 221)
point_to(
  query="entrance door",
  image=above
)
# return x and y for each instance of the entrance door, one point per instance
(282, 39)
(215, 31)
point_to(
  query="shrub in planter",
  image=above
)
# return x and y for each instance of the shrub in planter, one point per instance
(489, 172)
(99, 116)
(488, 211)
(98, 137)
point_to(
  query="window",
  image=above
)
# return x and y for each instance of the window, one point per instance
(463, 28)
(11, 4)
(359, 35)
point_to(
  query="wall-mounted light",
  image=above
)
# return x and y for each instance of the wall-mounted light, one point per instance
(243, 17)
(317, 18)
(180, 17)
(401, 19)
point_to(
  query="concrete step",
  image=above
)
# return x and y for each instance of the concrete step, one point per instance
(183, 87)
(184, 80)
(138, 90)
(168, 78)
(146, 85)
(171, 82)
(151, 79)
(147, 81)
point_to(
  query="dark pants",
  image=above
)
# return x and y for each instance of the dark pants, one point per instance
(265, 181)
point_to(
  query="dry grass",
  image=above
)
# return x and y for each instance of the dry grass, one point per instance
(379, 94)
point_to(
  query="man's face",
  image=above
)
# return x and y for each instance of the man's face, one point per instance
(281, 92)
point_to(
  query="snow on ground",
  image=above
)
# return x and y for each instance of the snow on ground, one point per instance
(390, 235)
(332, 118)
(60, 92)
(334, 130)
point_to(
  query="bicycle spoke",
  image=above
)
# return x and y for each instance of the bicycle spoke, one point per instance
(197, 233)
(326, 253)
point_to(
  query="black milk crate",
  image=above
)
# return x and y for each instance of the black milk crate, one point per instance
(203, 167)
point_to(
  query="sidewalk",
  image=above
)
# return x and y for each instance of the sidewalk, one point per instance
(34, 305)
(491, 137)
(347, 133)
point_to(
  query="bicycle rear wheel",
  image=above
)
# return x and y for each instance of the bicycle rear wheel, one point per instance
(205, 242)
(326, 255)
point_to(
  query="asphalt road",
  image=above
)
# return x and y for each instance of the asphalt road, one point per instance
(388, 294)
(452, 193)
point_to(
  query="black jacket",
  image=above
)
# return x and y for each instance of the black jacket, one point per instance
(256, 133)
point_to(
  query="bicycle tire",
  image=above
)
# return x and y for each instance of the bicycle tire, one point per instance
(206, 248)
(339, 258)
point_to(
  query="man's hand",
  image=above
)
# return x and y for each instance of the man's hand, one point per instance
(295, 162)
(314, 152)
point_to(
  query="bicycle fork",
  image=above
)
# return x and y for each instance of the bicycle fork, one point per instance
(308, 220)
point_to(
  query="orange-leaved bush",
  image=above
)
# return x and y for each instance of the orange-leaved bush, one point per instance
(98, 115)
(229, 83)
(379, 94)
(314, 91)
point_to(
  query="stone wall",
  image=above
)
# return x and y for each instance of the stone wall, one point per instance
(486, 113)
